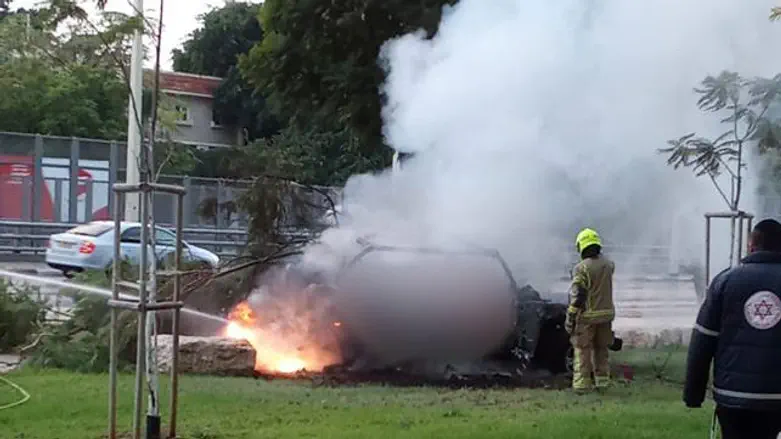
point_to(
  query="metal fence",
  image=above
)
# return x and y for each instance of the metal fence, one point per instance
(68, 180)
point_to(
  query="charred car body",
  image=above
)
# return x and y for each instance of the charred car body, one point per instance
(468, 326)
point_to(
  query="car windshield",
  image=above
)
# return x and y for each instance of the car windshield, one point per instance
(91, 229)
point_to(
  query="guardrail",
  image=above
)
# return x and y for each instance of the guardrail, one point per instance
(21, 237)
(29, 238)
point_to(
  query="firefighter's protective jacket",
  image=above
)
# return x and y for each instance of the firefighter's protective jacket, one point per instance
(591, 293)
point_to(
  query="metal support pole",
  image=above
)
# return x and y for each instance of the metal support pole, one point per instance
(707, 251)
(142, 305)
(73, 198)
(88, 199)
(27, 195)
(187, 184)
(142, 298)
(58, 201)
(115, 278)
(38, 179)
(740, 251)
(737, 219)
(732, 253)
(174, 398)
(113, 165)
(152, 375)
(134, 137)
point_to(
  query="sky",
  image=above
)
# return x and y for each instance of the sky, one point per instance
(179, 19)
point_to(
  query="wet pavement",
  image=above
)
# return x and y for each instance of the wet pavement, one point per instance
(8, 362)
(652, 305)
(51, 293)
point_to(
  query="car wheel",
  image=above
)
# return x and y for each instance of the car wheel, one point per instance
(68, 274)
(554, 350)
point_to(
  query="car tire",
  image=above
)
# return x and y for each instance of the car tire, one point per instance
(554, 350)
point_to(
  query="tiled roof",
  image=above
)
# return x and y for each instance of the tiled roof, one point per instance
(187, 83)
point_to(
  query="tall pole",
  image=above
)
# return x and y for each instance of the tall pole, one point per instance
(134, 119)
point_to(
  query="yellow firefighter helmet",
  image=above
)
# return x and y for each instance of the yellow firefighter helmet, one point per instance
(586, 238)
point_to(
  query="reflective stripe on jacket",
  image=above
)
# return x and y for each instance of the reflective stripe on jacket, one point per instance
(595, 277)
(738, 332)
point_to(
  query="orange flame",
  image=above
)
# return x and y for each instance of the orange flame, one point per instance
(283, 344)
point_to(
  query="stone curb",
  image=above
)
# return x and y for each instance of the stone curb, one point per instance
(46, 272)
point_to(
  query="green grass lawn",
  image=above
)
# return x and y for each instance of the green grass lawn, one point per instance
(71, 406)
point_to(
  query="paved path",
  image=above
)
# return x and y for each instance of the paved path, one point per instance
(8, 362)
(652, 305)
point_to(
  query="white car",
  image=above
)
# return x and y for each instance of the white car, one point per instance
(90, 246)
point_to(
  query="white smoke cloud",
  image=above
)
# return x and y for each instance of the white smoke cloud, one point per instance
(533, 119)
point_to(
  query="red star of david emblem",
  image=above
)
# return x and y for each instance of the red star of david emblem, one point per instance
(763, 309)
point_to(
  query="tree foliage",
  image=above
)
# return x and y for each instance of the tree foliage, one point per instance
(775, 13)
(318, 66)
(22, 312)
(224, 34)
(5, 8)
(214, 49)
(63, 83)
(746, 107)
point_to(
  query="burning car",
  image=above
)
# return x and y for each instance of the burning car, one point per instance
(421, 311)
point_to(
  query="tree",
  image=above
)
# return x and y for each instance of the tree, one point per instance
(746, 105)
(746, 102)
(214, 49)
(318, 66)
(775, 13)
(74, 83)
(5, 8)
(224, 34)
(59, 85)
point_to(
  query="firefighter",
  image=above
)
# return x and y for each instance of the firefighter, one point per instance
(590, 313)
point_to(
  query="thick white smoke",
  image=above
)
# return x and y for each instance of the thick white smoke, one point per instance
(532, 119)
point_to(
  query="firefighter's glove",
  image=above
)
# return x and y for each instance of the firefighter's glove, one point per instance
(569, 322)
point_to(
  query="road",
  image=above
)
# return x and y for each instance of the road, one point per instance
(50, 292)
(652, 305)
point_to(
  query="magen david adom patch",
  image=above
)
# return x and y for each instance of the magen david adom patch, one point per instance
(763, 310)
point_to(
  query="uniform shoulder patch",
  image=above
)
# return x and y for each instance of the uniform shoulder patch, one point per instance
(763, 310)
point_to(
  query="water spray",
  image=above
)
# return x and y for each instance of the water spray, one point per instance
(43, 280)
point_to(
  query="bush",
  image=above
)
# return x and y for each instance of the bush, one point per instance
(82, 342)
(22, 313)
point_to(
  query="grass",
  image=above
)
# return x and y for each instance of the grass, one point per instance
(72, 406)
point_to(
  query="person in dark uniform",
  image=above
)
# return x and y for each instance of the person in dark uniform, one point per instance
(738, 329)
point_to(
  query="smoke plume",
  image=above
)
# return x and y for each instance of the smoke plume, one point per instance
(532, 119)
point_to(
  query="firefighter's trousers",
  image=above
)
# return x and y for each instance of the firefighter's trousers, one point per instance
(590, 363)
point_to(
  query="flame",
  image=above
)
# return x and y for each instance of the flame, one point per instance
(283, 340)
